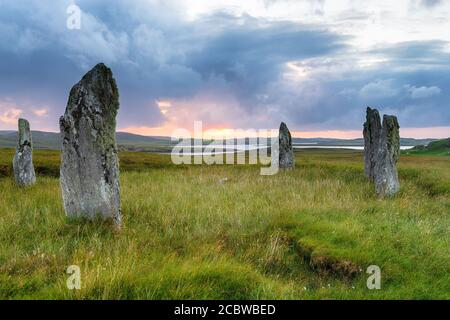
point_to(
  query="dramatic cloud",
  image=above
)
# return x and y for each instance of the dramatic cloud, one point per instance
(423, 92)
(232, 65)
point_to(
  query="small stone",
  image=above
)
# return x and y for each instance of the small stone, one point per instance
(23, 159)
(286, 154)
(89, 160)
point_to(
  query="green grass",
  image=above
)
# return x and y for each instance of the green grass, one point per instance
(309, 233)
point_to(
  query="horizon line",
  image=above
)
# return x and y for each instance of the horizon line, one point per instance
(245, 137)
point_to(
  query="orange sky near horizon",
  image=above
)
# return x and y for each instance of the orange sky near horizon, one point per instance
(217, 133)
(418, 133)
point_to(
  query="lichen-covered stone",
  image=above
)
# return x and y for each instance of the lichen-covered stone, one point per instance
(23, 159)
(372, 132)
(89, 161)
(386, 176)
(286, 154)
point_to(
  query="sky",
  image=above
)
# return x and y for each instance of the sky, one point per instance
(314, 64)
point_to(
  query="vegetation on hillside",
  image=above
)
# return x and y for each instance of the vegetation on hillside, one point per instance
(439, 147)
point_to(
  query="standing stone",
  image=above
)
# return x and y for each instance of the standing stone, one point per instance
(286, 155)
(23, 159)
(89, 161)
(386, 176)
(372, 132)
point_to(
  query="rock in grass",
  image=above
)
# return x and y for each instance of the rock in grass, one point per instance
(386, 176)
(372, 132)
(89, 162)
(23, 159)
(286, 154)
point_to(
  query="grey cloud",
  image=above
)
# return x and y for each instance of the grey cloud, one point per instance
(416, 53)
(378, 89)
(156, 54)
(423, 92)
(337, 99)
(430, 3)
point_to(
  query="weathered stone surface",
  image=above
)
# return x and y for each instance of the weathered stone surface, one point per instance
(386, 176)
(372, 132)
(89, 161)
(23, 159)
(381, 152)
(286, 154)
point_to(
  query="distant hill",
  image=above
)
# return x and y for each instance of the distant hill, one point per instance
(52, 140)
(134, 142)
(41, 139)
(438, 147)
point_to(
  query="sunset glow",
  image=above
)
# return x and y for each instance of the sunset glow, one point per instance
(418, 133)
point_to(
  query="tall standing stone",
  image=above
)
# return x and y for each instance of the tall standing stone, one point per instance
(386, 176)
(286, 154)
(372, 132)
(89, 161)
(23, 159)
(381, 152)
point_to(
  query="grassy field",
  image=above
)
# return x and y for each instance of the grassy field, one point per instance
(309, 233)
